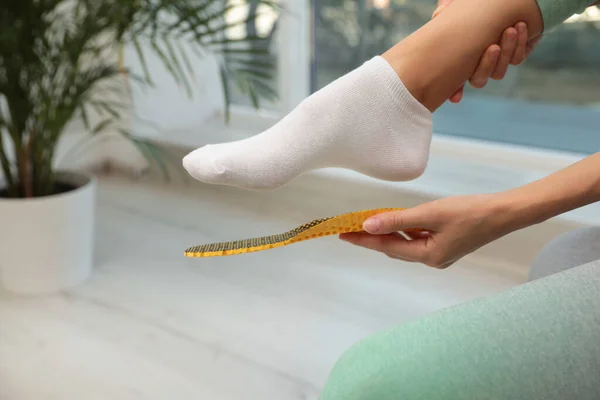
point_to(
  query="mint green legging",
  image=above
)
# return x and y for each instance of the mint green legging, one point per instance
(540, 340)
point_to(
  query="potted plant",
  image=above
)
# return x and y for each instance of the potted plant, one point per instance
(61, 61)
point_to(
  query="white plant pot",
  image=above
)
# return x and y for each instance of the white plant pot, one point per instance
(46, 243)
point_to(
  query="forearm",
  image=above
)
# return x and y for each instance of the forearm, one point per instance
(573, 187)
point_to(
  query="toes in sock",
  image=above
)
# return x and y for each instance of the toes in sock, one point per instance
(366, 121)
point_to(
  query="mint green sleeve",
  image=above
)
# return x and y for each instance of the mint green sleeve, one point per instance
(555, 12)
(540, 340)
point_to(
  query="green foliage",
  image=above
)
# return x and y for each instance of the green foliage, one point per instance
(350, 31)
(57, 63)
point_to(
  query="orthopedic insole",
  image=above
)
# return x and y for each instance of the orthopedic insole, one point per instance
(350, 222)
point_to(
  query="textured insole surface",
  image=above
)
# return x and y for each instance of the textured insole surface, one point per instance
(351, 222)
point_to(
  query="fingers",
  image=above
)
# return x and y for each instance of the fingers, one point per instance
(486, 67)
(522, 39)
(514, 49)
(397, 247)
(508, 46)
(418, 235)
(457, 97)
(393, 245)
(395, 221)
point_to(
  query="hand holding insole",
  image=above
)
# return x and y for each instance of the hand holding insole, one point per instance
(350, 222)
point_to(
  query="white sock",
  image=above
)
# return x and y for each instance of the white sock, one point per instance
(366, 121)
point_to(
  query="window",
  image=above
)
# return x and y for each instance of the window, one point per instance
(551, 101)
(265, 26)
(289, 41)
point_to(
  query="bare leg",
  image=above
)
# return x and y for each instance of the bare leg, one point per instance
(437, 59)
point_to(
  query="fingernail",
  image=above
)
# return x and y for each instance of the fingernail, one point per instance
(438, 10)
(372, 225)
(512, 34)
(494, 54)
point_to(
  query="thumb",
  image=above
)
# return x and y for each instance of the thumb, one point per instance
(395, 221)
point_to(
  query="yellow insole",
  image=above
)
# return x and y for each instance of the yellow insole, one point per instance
(351, 222)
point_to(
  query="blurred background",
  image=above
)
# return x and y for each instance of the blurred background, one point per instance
(560, 78)
(140, 320)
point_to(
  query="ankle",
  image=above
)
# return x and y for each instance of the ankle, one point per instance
(423, 85)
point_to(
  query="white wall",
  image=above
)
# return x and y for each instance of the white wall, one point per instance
(168, 105)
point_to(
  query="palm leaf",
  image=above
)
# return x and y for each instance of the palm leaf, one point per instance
(186, 60)
(52, 66)
(142, 58)
(177, 65)
(165, 60)
(84, 116)
(150, 153)
(226, 92)
(101, 126)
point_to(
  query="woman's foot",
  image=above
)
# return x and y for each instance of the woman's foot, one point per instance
(366, 121)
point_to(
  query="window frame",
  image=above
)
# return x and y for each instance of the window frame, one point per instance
(294, 44)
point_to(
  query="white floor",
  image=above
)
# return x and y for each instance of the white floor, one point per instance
(152, 324)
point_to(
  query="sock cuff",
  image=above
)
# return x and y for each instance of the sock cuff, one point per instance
(389, 79)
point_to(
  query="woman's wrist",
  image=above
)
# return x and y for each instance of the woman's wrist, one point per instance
(519, 208)
(509, 211)
(573, 187)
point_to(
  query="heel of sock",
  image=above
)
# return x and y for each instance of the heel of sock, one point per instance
(393, 84)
